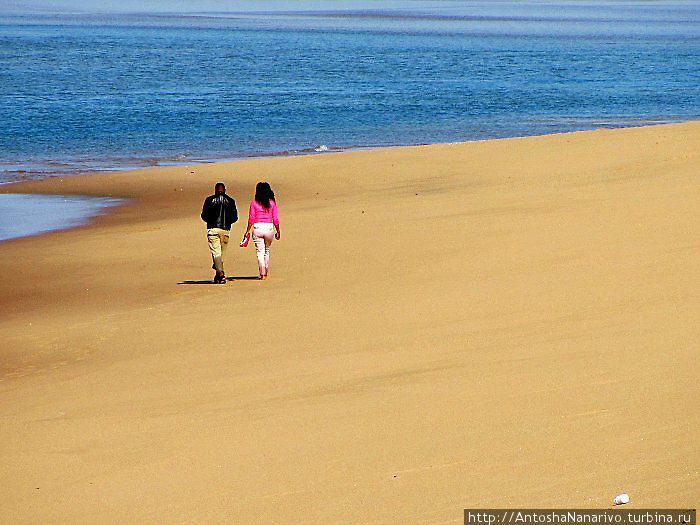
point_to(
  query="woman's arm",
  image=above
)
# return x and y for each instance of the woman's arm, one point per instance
(251, 219)
(276, 220)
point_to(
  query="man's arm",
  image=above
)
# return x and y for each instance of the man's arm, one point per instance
(234, 211)
(205, 210)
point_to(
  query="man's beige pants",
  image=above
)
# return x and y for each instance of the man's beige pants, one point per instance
(218, 241)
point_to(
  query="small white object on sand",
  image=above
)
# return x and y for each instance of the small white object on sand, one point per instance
(621, 499)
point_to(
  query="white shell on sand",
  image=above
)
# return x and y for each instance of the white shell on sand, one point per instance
(621, 499)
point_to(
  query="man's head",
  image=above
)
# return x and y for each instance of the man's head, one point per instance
(220, 188)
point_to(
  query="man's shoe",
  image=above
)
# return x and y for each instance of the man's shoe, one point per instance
(222, 279)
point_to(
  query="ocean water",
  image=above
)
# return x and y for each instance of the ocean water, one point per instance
(90, 92)
(45, 213)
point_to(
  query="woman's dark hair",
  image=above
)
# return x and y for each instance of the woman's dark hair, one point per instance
(264, 194)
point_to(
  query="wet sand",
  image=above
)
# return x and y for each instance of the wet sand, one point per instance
(508, 323)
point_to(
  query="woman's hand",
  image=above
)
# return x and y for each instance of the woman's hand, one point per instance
(277, 235)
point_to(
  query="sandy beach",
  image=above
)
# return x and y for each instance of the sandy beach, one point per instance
(507, 323)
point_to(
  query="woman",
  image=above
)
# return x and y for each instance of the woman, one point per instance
(264, 221)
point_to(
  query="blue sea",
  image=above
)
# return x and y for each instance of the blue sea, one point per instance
(89, 91)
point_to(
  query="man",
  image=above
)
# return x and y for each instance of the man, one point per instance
(219, 212)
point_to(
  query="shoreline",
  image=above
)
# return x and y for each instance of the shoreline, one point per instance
(465, 325)
(57, 213)
(43, 169)
(88, 219)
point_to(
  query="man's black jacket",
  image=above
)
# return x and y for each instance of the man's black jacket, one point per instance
(219, 211)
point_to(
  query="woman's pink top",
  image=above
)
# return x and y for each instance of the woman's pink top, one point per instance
(259, 214)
